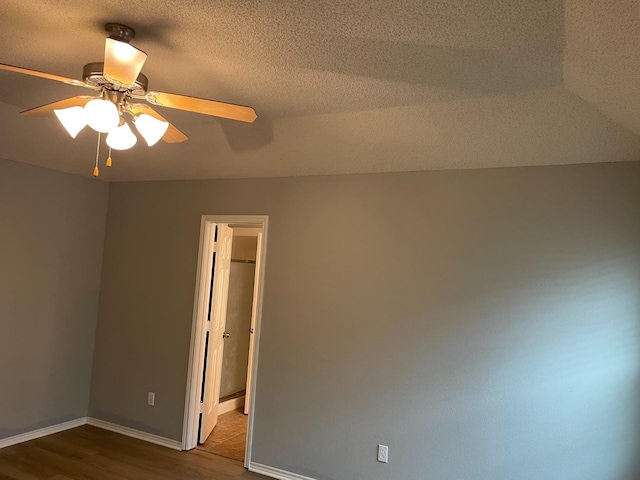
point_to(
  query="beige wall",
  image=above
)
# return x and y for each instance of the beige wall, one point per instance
(51, 238)
(487, 325)
(244, 248)
(238, 322)
(239, 308)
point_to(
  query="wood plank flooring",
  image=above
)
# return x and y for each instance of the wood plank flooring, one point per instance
(90, 453)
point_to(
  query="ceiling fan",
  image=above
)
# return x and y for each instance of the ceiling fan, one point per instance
(118, 85)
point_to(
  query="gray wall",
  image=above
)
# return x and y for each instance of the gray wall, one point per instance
(483, 324)
(51, 243)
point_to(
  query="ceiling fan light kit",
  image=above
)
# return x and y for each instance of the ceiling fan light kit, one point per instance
(151, 129)
(122, 62)
(120, 83)
(73, 119)
(102, 115)
(121, 137)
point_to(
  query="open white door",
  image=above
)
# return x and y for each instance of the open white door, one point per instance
(254, 312)
(215, 334)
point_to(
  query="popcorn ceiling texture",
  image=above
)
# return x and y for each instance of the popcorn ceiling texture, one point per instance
(602, 57)
(341, 87)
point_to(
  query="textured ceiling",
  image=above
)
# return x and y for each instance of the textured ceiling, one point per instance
(341, 87)
(602, 56)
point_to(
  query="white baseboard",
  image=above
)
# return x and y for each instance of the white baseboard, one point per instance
(276, 472)
(130, 432)
(42, 432)
(230, 405)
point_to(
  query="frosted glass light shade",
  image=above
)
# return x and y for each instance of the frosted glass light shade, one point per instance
(72, 119)
(151, 129)
(121, 138)
(101, 115)
(122, 61)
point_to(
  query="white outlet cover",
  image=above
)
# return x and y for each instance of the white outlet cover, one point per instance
(383, 453)
(151, 399)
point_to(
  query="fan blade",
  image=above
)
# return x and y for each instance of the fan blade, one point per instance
(201, 105)
(172, 135)
(48, 76)
(46, 110)
(122, 62)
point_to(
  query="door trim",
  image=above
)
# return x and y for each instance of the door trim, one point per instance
(196, 352)
(252, 339)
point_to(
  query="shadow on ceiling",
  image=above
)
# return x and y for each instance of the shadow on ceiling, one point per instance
(246, 137)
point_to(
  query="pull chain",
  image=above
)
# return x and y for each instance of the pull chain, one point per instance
(96, 172)
(109, 158)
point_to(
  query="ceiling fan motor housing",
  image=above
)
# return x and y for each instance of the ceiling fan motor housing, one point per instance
(93, 73)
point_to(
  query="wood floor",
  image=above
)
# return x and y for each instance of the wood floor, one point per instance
(90, 453)
(229, 436)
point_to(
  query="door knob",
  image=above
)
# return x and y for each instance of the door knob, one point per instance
(226, 335)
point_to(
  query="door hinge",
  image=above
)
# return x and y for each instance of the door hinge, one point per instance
(215, 246)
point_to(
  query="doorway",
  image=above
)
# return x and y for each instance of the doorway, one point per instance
(227, 313)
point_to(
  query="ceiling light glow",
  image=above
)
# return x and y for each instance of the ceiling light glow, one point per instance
(121, 138)
(122, 61)
(101, 115)
(72, 119)
(151, 129)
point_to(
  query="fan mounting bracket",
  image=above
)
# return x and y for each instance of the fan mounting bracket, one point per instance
(120, 32)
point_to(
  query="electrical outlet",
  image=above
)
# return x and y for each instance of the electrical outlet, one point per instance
(383, 453)
(151, 399)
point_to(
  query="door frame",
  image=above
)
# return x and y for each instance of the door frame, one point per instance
(196, 351)
(254, 313)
